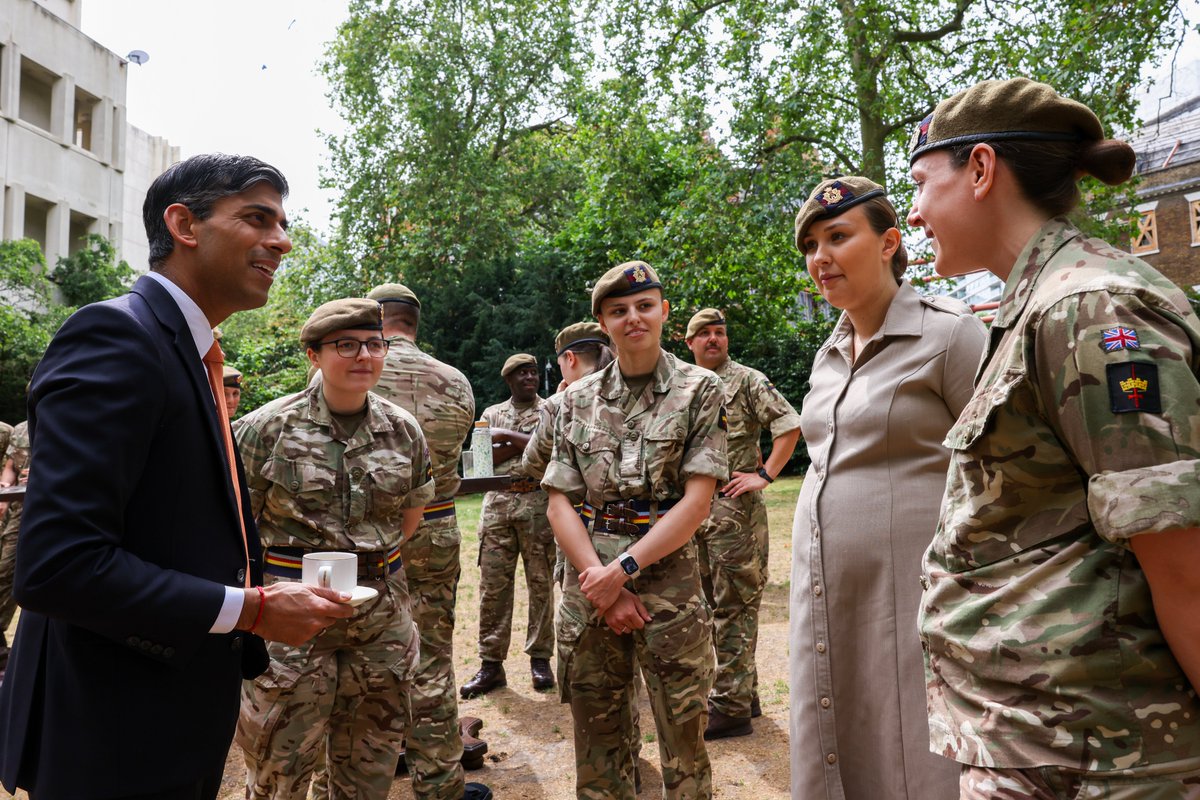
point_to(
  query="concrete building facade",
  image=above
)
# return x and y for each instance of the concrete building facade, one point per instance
(70, 164)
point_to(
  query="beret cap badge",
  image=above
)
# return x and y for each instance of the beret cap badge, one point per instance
(636, 275)
(835, 194)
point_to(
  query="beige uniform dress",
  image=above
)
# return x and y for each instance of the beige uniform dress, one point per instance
(867, 511)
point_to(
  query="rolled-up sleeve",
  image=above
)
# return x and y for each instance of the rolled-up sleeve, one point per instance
(704, 452)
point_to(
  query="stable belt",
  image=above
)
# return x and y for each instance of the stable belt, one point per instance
(522, 486)
(628, 517)
(288, 562)
(439, 509)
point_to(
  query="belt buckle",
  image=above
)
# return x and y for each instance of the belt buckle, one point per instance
(618, 518)
(376, 567)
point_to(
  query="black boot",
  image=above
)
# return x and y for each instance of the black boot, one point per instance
(490, 676)
(543, 678)
(721, 726)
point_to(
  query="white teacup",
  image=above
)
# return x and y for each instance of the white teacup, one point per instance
(338, 571)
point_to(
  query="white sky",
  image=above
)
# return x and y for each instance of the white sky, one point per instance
(205, 89)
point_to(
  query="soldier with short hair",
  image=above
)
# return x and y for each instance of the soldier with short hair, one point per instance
(733, 542)
(641, 445)
(335, 468)
(440, 397)
(513, 522)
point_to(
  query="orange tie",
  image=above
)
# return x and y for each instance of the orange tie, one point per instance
(214, 360)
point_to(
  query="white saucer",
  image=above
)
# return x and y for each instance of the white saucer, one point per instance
(362, 594)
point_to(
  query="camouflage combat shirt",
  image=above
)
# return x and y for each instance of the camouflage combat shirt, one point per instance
(752, 403)
(523, 419)
(673, 431)
(310, 489)
(5, 436)
(1041, 642)
(440, 397)
(540, 447)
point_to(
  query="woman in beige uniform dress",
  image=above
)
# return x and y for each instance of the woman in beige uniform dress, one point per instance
(886, 386)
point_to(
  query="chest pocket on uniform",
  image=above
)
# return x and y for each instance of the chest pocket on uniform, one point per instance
(664, 451)
(981, 410)
(299, 489)
(389, 485)
(596, 451)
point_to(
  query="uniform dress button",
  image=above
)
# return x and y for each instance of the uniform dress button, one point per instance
(133, 641)
(817, 590)
(585, 446)
(820, 647)
(404, 487)
(295, 486)
(826, 702)
(168, 652)
(146, 645)
(241, 576)
(356, 473)
(156, 650)
(831, 758)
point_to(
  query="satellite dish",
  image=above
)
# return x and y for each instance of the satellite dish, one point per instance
(138, 56)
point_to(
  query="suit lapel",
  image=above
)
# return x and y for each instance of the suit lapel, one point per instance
(171, 318)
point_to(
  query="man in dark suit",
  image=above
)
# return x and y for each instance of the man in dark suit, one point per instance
(138, 564)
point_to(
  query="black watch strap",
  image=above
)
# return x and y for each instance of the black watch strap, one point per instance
(762, 473)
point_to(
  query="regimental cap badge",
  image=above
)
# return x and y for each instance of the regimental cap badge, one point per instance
(921, 133)
(835, 194)
(636, 275)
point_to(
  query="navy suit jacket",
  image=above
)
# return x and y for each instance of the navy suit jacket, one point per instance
(129, 530)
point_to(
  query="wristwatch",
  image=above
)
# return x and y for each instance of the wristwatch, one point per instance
(629, 565)
(766, 476)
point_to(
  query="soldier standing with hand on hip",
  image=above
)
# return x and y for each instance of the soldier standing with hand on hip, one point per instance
(733, 541)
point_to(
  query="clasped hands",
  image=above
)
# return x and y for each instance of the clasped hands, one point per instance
(604, 587)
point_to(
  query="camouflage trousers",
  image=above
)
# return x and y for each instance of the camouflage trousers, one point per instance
(500, 542)
(10, 523)
(596, 670)
(336, 701)
(434, 748)
(1173, 780)
(732, 547)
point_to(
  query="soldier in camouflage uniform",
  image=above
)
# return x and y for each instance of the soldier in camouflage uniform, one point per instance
(1059, 620)
(231, 385)
(440, 397)
(15, 472)
(642, 445)
(335, 468)
(733, 542)
(513, 522)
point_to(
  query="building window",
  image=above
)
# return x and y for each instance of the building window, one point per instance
(1145, 241)
(1194, 218)
(37, 91)
(85, 130)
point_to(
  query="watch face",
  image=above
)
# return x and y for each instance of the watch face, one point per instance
(629, 565)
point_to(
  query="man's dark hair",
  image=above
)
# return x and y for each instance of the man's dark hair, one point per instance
(198, 183)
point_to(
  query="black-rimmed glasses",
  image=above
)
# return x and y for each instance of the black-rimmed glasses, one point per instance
(350, 348)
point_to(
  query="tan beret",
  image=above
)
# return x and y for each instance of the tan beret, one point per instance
(832, 198)
(705, 316)
(394, 293)
(625, 279)
(997, 110)
(579, 333)
(352, 313)
(517, 361)
(231, 377)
